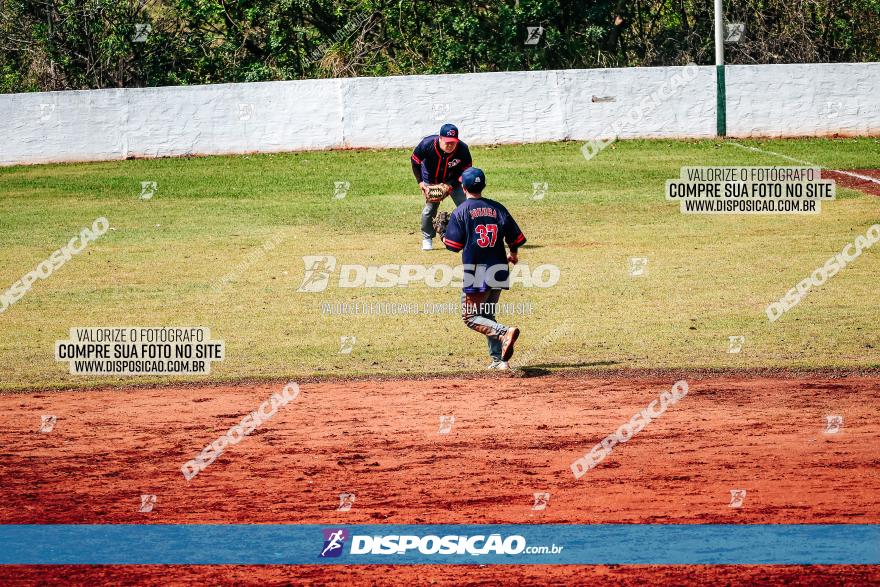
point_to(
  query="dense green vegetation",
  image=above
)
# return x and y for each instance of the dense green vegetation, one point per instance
(81, 44)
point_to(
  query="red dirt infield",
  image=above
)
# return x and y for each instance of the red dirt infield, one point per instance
(864, 180)
(511, 437)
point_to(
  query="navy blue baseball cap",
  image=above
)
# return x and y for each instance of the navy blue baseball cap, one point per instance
(449, 131)
(473, 179)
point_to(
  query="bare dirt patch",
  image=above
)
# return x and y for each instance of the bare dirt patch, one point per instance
(869, 182)
(511, 437)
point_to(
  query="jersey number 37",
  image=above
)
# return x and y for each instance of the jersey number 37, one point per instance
(487, 234)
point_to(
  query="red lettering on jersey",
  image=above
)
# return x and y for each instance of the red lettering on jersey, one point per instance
(487, 235)
(485, 211)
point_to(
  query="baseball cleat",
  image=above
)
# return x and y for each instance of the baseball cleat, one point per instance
(500, 365)
(427, 244)
(507, 343)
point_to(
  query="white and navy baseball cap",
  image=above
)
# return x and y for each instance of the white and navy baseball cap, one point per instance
(449, 131)
(473, 179)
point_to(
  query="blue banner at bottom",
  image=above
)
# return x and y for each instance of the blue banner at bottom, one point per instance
(622, 544)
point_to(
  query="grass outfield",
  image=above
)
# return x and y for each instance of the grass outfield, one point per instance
(709, 277)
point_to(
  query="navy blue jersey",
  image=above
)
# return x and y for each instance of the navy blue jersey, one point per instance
(479, 228)
(431, 165)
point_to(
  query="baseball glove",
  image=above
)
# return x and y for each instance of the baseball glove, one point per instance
(441, 221)
(436, 192)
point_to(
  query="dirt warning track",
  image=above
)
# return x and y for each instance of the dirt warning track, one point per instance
(511, 438)
(864, 180)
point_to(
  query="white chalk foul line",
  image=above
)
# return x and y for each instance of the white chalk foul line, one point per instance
(806, 163)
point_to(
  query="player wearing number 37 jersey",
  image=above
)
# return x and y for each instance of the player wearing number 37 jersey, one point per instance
(479, 228)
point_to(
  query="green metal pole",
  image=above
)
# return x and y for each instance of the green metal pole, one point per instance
(720, 90)
(721, 106)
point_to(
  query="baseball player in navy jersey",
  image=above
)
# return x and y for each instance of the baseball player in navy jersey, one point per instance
(439, 158)
(479, 228)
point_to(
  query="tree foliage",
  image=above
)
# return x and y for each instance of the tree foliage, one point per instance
(82, 44)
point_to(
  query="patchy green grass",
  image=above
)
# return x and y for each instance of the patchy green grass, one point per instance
(709, 277)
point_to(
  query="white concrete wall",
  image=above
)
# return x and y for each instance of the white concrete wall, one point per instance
(803, 100)
(512, 107)
(159, 122)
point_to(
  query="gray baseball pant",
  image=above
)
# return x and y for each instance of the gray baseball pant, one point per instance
(478, 313)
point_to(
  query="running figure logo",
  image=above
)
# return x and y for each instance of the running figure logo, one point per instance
(317, 272)
(638, 266)
(534, 34)
(542, 500)
(47, 423)
(833, 424)
(735, 344)
(737, 497)
(346, 500)
(147, 503)
(334, 540)
(446, 423)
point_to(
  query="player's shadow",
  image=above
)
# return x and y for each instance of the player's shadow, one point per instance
(545, 368)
